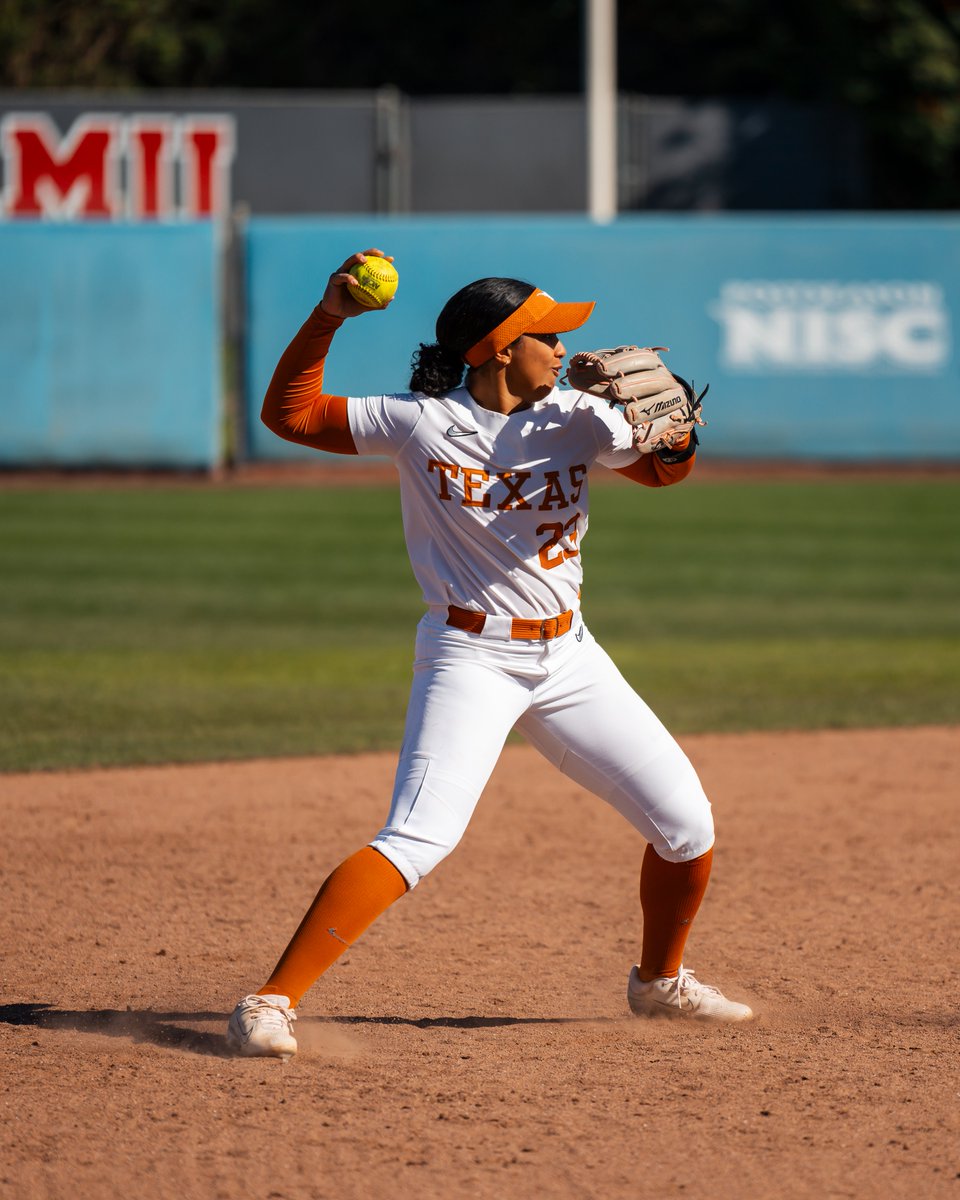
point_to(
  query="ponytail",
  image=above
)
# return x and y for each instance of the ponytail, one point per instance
(435, 370)
(465, 319)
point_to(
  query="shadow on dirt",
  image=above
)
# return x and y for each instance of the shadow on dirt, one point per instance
(156, 1028)
(466, 1022)
(161, 1028)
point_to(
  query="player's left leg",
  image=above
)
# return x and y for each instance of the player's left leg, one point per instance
(590, 723)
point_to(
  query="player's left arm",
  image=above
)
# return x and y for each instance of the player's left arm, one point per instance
(663, 467)
(657, 468)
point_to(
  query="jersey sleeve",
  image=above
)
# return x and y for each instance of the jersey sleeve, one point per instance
(383, 424)
(615, 439)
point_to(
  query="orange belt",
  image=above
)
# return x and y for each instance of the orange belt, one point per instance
(521, 629)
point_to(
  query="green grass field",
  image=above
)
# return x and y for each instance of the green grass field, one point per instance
(186, 623)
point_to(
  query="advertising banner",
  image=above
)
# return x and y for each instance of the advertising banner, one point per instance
(823, 338)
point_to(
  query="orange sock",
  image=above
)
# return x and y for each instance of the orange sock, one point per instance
(670, 894)
(350, 900)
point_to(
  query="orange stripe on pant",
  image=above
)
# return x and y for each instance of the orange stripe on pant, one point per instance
(349, 901)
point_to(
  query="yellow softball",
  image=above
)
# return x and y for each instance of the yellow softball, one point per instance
(376, 281)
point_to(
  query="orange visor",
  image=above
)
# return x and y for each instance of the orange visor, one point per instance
(539, 313)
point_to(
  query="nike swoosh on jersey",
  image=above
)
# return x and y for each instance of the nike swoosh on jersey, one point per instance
(453, 431)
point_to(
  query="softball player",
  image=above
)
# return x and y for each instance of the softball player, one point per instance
(494, 482)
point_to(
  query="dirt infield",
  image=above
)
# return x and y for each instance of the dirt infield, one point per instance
(476, 1042)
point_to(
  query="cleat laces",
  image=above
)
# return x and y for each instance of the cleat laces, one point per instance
(270, 1016)
(691, 987)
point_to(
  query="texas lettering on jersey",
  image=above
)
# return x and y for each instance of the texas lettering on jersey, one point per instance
(515, 491)
(493, 517)
(481, 488)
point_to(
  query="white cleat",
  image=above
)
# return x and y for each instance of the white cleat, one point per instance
(684, 996)
(262, 1026)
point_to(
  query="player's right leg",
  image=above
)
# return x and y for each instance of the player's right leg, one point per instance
(350, 899)
(460, 711)
(464, 701)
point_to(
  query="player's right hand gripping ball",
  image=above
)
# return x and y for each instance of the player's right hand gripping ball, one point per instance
(661, 407)
(376, 282)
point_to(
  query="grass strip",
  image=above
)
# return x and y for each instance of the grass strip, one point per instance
(197, 623)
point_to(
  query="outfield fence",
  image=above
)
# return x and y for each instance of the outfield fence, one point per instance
(110, 346)
(824, 338)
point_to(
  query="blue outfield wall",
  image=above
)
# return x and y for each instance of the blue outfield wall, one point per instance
(110, 345)
(823, 338)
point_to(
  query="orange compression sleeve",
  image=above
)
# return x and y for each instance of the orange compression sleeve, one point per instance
(296, 407)
(650, 469)
(670, 895)
(351, 899)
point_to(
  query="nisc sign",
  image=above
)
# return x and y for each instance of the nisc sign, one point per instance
(111, 167)
(882, 326)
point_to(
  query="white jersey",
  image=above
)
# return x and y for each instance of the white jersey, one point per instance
(495, 507)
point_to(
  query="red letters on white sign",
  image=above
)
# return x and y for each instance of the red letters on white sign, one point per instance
(109, 167)
(207, 152)
(151, 144)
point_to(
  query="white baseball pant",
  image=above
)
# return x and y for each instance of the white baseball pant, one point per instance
(568, 699)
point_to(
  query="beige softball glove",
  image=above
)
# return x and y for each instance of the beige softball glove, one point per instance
(661, 407)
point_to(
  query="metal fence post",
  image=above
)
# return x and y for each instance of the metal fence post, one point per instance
(392, 151)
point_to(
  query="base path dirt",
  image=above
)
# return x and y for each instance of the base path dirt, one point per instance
(476, 1041)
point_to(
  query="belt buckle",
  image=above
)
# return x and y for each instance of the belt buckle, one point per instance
(548, 629)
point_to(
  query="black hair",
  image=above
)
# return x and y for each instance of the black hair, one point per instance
(466, 318)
